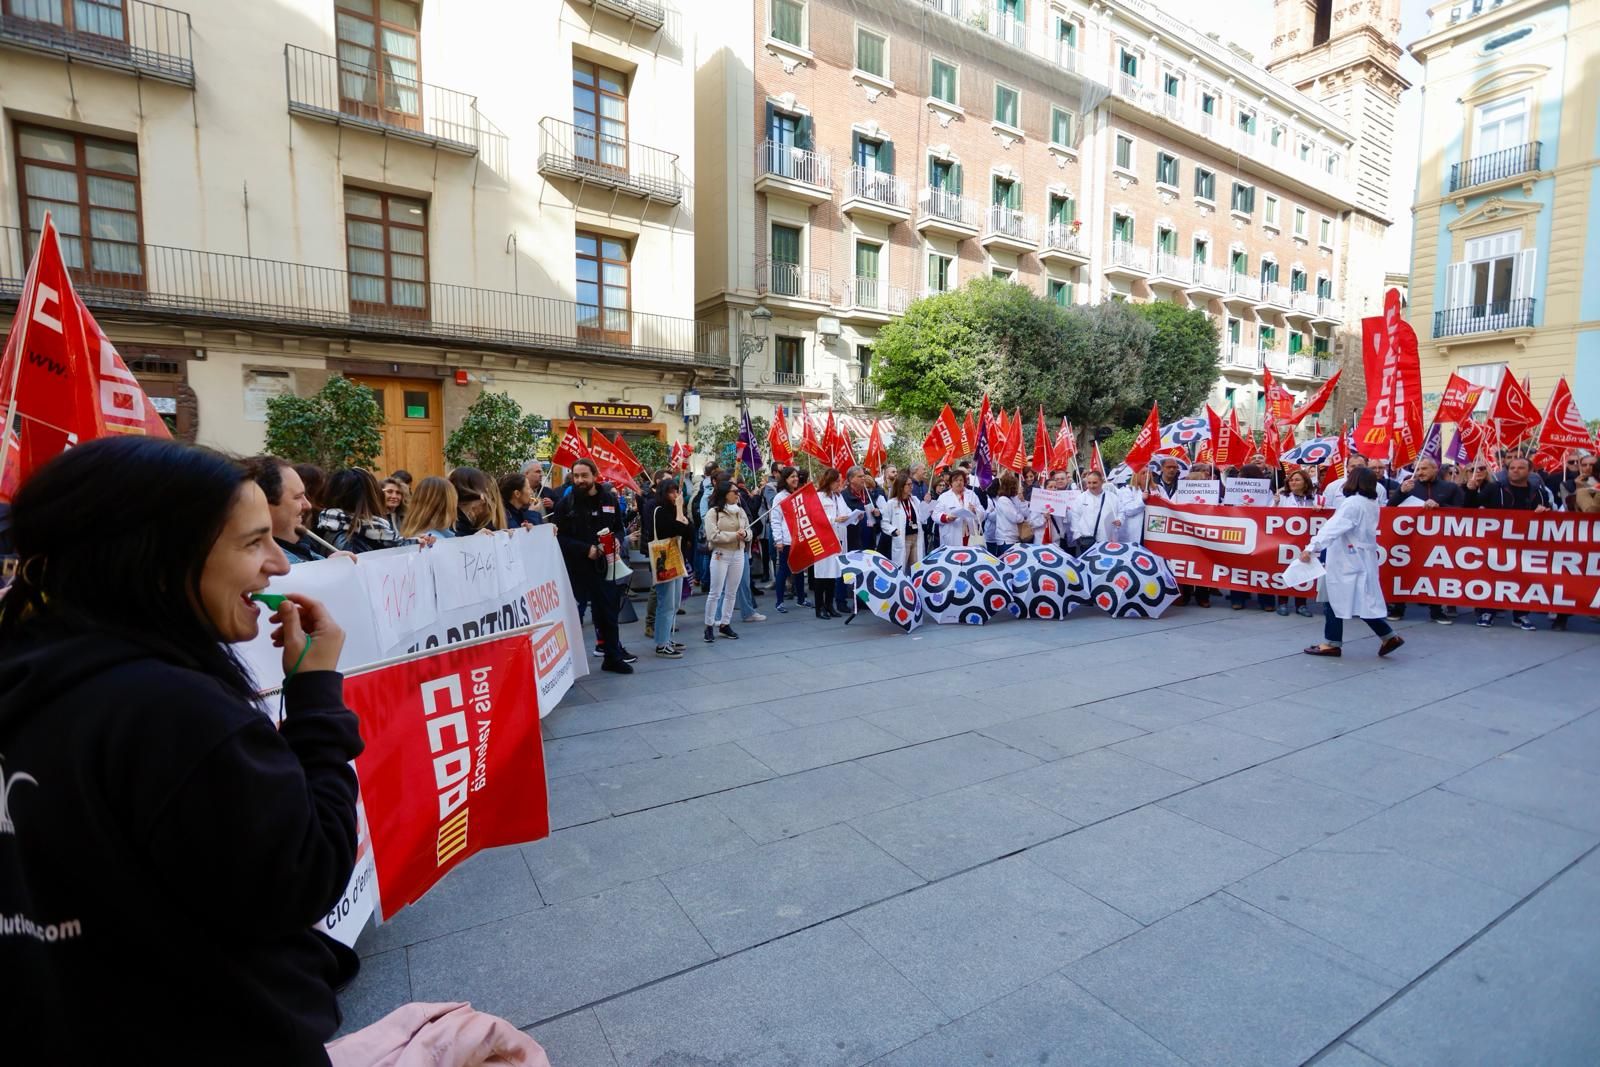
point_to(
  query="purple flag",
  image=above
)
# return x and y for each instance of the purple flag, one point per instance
(983, 467)
(1433, 444)
(1457, 452)
(748, 451)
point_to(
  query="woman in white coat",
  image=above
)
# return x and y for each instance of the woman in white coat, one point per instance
(790, 480)
(1351, 587)
(1133, 495)
(1096, 514)
(825, 572)
(900, 525)
(956, 528)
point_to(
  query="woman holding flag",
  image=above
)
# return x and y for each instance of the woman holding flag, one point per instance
(825, 572)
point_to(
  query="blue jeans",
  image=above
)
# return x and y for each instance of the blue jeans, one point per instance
(668, 596)
(787, 578)
(1333, 626)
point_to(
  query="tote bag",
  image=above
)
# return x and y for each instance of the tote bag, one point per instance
(666, 560)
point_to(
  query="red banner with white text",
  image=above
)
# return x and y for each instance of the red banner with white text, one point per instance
(1471, 557)
(438, 783)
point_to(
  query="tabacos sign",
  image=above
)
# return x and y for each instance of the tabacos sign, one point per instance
(583, 409)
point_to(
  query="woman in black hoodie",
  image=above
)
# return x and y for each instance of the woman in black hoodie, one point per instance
(164, 849)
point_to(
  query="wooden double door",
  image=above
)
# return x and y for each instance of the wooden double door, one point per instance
(413, 425)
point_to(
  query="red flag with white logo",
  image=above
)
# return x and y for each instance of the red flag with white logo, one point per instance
(814, 537)
(1041, 445)
(571, 447)
(1513, 412)
(1096, 464)
(1563, 430)
(876, 454)
(1066, 445)
(1144, 446)
(1458, 401)
(778, 438)
(438, 784)
(944, 437)
(1316, 403)
(61, 379)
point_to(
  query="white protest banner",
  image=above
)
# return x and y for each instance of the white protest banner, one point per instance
(1197, 492)
(401, 584)
(1246, 492)
(554, 665)
(1057, 502)
(465, 570)
(349, 914)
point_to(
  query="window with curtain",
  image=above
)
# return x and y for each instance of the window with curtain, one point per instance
(1269, 272)
(942, 83)
(867, 254)
(1166, 169)
(1124, 151)
(604, 288)
(600, 115)
(1205, 184)
(1240, 262)
(1324, 287)
(788, 22)
(1060, 126)
(785, 265)
(103, 18)
(1063, 210)
(386, 240)
(1202, 252)
(1247, 120)
(1006, 105)
(1268, 338)
(789, 355)
(1300, 222)
(379, 59)
(872, 51)
(1208, 103)
(1067, 32)
(1170, 85)
(90, 187)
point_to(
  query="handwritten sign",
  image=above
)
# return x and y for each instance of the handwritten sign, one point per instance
(1054, 502)
(400, 586)
(1247, 492)
(1197, 492)
(465, 571)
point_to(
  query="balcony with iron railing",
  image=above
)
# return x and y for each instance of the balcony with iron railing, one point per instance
(797, 172)
(1302, 303)
(1278, 296)
(1301, 366)
(998, 22)
(792, 379)
(943, 212)
(1172, 270)
(1128, 86)
(1128, 258)
(986, 17)
(792, 282)
(866, 395)
(1276, 360)
(1323, 366)
(1064, 243)
(1008, 228)
(1484, 318)
(336, 90)
(874, 194)
(587, 156)
(186, 286)
(1243, 288)
(1496, 166)
(139, 37)
(1329, 309)
(1237, 356)
(1207, 280)
(644, 12)
(874, 297)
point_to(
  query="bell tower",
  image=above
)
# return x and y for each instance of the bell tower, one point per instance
(1345, 54)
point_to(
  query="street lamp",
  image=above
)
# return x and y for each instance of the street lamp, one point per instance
(752, 341)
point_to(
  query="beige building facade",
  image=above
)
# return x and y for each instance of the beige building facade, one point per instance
(256, 195)
(855, 156)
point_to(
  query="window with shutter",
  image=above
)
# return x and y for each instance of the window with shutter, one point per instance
(1060, 127)
(943, 81)
(1006, 105)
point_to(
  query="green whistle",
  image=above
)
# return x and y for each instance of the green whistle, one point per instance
(271, 600)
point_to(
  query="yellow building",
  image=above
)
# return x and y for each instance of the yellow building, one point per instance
(1505, 267)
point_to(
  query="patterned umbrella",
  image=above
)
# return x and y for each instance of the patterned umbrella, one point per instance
(884, 588)
(1122, 474)
(960, 584)
(1313, 453)
(1045, 581)
(1187, 432)
(1128, 580)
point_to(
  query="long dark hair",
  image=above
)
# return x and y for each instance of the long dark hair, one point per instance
(143, 583)
(316, 483)
(355, 492)
(1362, 482)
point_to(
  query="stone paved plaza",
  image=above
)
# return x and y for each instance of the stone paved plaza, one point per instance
(1085, 842)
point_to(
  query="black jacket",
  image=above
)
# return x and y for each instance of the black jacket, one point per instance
(1447, 493)
(171, 853)
(863, 533)
(516, 516)
(301, 551)
(579, 519)
(1507, 497)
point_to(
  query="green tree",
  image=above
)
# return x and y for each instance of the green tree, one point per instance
(718, 439)
(1182, 364)
(1104, 371)
(941, 351)
(494, 436)
(651, 453)
(906, 449)
(1114, 449)
(340, 425)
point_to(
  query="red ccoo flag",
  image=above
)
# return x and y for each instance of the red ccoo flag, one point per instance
(1318, 401)
(571, 447)
(876, 455)
(681, 456)
(1097, 464)
(1018, 457)
(1272, 445)
(1563, 429)
(605, 456)
(1145, 445)
(821, 451)
(944, 437)
(1041, 445)
(814, 537)
(1513, 412)
(969, 435)
(1066, 446)
(844, 454)
(61, 379)
(1458, 402)
(629, 460)
(778, 438)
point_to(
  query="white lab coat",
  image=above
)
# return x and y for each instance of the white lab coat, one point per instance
(1092, 519)
(1132, 514)
(838, 512)
(956, 531)
(1008, 512)
(1350, 538)
(894, 524)
(780, 525)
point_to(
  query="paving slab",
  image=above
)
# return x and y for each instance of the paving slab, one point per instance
(948, 763)
(1535, 786)
(940, 716)
(1153, 709)
(1050, 1021)
(574, 1040)
(1463, 744)
(1272, 810)
(651, 783)
(1054, 735)
(806, 747)
(1286, 721)
(796, 803)
(591, 751)
(1095, 785)
(754, 896)
(1224, 983)
(1150, 862)
(383, 984)
(491, 885)
(1526, 992)
(689, 732)
(1200, 750)
(1363, 769)
(943, 834)
(544, 963)
(973, 938)
(1575, 746)
(574, 800)
(588, 859)
(821, 998)
(1401, 914)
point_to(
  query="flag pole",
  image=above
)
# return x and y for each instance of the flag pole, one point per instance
(25, 318)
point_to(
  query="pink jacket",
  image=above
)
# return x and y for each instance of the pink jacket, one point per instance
(437, 1035)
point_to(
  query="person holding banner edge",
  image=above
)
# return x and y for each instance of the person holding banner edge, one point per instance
(1351, 588)
(132, 732)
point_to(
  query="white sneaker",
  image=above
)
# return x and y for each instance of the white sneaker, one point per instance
(756, 617)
